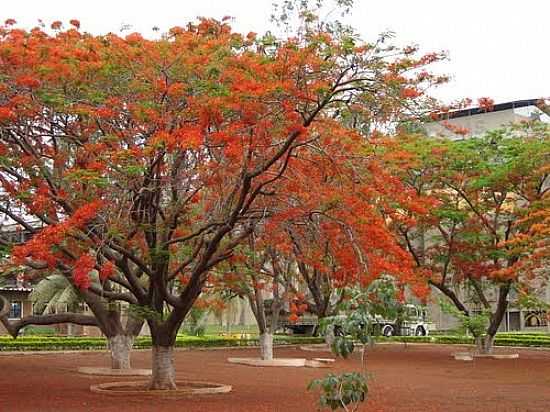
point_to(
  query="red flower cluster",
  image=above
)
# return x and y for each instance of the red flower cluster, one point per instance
(106, 271)
(81, 271)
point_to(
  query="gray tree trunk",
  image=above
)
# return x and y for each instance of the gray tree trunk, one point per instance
(163, 371)
(242, 315)
(121, 347)
(329, 336)
(266, 346)
(484, 344)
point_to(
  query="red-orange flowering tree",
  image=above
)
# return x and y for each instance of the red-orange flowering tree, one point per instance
(485, 235)
(328, 231)
(151, 160)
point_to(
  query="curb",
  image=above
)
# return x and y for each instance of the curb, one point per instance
(194, 388)
(98, 371)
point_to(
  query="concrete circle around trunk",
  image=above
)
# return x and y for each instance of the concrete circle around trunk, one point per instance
(114, 372)
(280, 362)
(320, 347)
(184, 388)
(463, 356)
(325, 360)
(288, 362)
(468, 356)
(316, 364)
(497, 355)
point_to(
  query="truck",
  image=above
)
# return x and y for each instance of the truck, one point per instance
(414, 321)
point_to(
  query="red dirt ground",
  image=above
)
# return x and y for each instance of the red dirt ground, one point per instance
(415, 378)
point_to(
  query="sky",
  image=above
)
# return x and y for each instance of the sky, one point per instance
(497, 48)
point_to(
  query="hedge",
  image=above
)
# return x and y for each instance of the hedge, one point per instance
(37, 343)
(508, 339)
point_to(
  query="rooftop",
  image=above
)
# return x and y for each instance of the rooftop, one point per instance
(540, 103)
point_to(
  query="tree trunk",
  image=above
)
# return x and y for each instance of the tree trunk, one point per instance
(484, 344)
(329, 335)
(266, 346)
(163, 371)
(121, 347)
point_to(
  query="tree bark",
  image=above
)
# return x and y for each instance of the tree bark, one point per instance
(266, 346)
(452, 296)
(329, 335)
(14, 326)
(502, 306)
(163, 371)
(484, 344)
(121, 347)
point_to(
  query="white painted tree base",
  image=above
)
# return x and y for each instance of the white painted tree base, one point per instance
(114, 372)
(468, 356)
(320, 347)
(279, 362)
(497, 355)
(463, 356)
(325, 360)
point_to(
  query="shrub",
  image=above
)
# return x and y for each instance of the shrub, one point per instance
(339, 391)
(36, 343)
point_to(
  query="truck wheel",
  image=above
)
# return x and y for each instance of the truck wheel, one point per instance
(420, 331)
(388, 331)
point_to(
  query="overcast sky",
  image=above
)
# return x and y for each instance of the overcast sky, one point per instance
(498, 48)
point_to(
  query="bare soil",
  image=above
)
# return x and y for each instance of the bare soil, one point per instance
(413, 378)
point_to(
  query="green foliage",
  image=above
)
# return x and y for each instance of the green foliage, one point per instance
(520, 339)
(341, 391)
(41, 342)
(358, 312)
(475, 323)
(144, 312)
(45, 343)
(194, 322)
(528, 301)
(38, 331)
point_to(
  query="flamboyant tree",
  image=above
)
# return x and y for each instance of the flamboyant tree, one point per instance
(151, 160)
(342, 237)
(334, 232)
(484, 236)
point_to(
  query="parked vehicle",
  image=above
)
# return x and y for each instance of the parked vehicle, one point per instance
(413, 322)
(307, 325)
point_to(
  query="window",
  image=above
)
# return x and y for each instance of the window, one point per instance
(15, 310)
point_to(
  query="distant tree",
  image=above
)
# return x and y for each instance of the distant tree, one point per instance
(487, 228)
